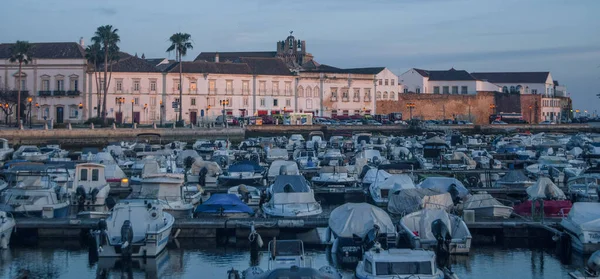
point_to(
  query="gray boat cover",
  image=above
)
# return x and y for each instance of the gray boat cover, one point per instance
(422, 220)
(442, 184)
(187, 153)
(480, 200)
(586, 215)
(297, 183)
(291, 168)
(373, 174)
(212, 167)
(544, 188)
(395, 182)
(358, 219)
(410, 200)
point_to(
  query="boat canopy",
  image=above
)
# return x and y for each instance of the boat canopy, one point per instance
(443, 185)
(396, 182)
(410, 200)
(245, 166)
(586, 215)
(226, 203)
(480, 200)
(290, 184)
(357, 219)
(282, 167)
(544, 188)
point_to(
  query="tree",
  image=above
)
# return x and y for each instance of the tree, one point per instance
(108, 38)
(20, 53)
(93, 55)
(180, 43)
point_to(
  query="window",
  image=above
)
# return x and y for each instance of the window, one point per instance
(454, 89)
(119, 85)
(275, 88)
(95, 174)
(405, 90)
(378, 95)
(193, 101)
(309, 104)
(464, 89)
(334, 92)
(153, 85)
(368, 94)
(193, 86)
(23, 83)
(288, 102)
(334, 113)
(519, 88)
(418, 90)
(504, 89)
(83, 175)
(308, 92)
(262, 102)
(153, 101)
(386, 82)
(246, 102)
(245, 87)
(345, 93)
(212, 87)
(73, 112)
(436, 90)
(368, 267)
(393, 81)
(275, 102)
(533, 91)
(300, 91)
(74, 85)
(60, 85)
(356, 112)
(46, 112)
(229, 87)
(288, 88)
(392, 95)
(136, 85)
(262, 87)
(356, 94)
(136, 101)
(380, 82)
(446, 90)
(385, 95)
(46, 85)
(177, 84)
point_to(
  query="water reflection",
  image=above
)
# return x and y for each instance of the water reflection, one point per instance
(151, 268)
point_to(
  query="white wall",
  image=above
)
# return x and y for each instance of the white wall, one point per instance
(470, 84)
(411, 79)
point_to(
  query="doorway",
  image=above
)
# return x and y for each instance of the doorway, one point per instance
(136, 117)
(119, 117)
(60, 115)
(193, 117)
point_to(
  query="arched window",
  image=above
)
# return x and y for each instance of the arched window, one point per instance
(308, 92)
(526, 89)
(385, 95)
(378, 96)
(316, 92)
(300, 91)
(392, 95)
(519, 88)
(512, 89)
(504, 89)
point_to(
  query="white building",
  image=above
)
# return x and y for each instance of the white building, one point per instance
(55, 79)
(521, 82)
(451, 81)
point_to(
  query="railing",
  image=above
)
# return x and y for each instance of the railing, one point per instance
(73, 92)
(356, 99)
(59, 93)
(245, 92)
(45, 93)
(229, 91)
(333, 98)
(212, 91)
(345, 99)
(275, 92)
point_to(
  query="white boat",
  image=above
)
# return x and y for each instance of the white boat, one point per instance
(486, 206)
(204, 173)
(7, 224)
(90, 188)
(244, 172)
(5, 150)
(335, 178)
(30, 153)
(583, 225)
(281, 167)
(114, 175)
(380, 190)
(306, 159)
(417, 226)
(583, 188)
(32, 193)
(135, 228)
(290, 196)
(398, 263)
(167, 188)
(248, 194)
(274, 154)
(295, 141)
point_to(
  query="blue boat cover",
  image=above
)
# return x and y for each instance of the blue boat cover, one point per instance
(230, 203)
(245, 166)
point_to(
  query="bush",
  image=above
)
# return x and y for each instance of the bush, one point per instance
(98, 121)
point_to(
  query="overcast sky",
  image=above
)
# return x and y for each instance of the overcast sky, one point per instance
(559, 36)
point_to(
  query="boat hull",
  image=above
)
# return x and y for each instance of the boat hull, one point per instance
(270, 211)
(6, 229)
(144, 249)
(493, 212)
(59, 211)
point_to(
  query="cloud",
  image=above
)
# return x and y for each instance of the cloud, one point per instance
(107, 11)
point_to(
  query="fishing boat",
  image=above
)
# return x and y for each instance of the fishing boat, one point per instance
(417, 226)
(398, 263)
(7, 224)
(583, 225)
(291, 196)
(223, 206)
(135, 228)
(91, 188)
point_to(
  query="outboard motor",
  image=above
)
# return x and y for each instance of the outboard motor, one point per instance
(126, 238)
(80, 194)
(202, 176)
(283, 170)
(453, 190)
(593, 265)
(94, 195)
(110, 202)
(371, 237)
(442, 249)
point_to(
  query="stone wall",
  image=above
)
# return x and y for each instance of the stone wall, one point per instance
(430, 106)
(531, 108)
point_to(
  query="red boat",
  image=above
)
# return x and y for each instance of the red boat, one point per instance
(552, 208)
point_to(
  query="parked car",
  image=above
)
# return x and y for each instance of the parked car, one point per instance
(230, 120)
(547, 122)
(498, 122)
(372, 122)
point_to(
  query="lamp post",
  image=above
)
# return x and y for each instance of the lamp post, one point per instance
(146, 112)
(207, 115)
(29, 100)
(530, 114)
(161, 112)
(224, 103)
(37, 109)
(132, 120)
(81, 109)
(410, 107)
(6, 111)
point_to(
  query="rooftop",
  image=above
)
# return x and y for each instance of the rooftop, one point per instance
(445, 75)
(64, 50)
(513, 77)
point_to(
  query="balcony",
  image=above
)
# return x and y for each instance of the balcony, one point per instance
(212, 91)
(229, 91)
(333, 98)
(245, 91)
(356, 99)
(45, 93)
(345, 99)
(275, 92)
(59, 93)
(73, 93)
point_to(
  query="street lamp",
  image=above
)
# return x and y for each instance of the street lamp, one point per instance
(132, 121)
(161, 112)
(530, 114)
(224, 103)
(410, 107)
(146, 111)
(29, 100)
(493, 108)
(6, 110)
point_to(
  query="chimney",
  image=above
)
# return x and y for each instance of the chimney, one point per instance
(217, 57)
(81, 42)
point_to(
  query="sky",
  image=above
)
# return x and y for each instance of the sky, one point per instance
(559, 36)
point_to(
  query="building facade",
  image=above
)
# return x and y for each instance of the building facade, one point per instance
(457, 82)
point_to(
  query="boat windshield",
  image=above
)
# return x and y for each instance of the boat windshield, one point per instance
(286, 248)
(403, 268)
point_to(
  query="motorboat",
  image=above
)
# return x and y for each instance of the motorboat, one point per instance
(7, 225)
(204, 173)
(333, 157)
(30, 153)
(514, 179)
(274, 154)
(405, 201)
(244, 172)
(559, 168)
(373, 175)
(248, 194)
(54, 151)
(114, 175)
(545, 197)
(32, 193)
(316, 141)
(5, 150)
(591, 270)
(379, 191)
(291, 196)
(281, 167)
(306, 159)
(419, 229)
(91, 188)
(295, 141)
(288, 260)
(584, 188)
(336, 178)
(398, 263)
(187, 158)
(446, 185)
(223, 205)
(135, 228)
(373, 156)
(198, 143)
(486, 206)
(361, 140)
(167, 188)
(352, 227)
(583, 225)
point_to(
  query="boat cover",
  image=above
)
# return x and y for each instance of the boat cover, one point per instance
(464, 157)
(277, 152)
(212, 167)
(586, 215)
(411, 200)
(243, 166)
(544, 188)
(358, 219)
(396, 182)
(150, 168)
(291, 168)
(480, 200)
(229, 203)
(443, 184)
(290, 184)
(427, 217)
(513, 176)
(373, 174)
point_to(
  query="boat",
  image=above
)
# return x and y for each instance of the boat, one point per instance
(333, 157)
(274, 154)
(418, 228)
(306, 159)
(446, 185)
(336, 178)
(281, 167)
(155, 267)
(204, 173)
(5, 150)
(287, 260)
(486, 206)
(135, 228)
(514, 179)
(7, 224)
(398, 263)
(591, 270)
(32, 193)
(248, 194)
(114, 175)
(544, 193)
(291, 196)
(379, 191)
(352, 227)
(223, 205)
(583, 225)
(316, 141)
(167, 188)
(244, 172)
(91, 188)
(583, 188)
(295, 141)
(402, 202)
(30, 153)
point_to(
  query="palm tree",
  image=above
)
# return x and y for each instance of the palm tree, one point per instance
(108, 38)
(20, 53)
(93, 55)
(180, 43)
